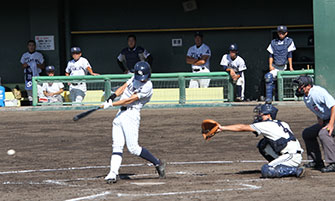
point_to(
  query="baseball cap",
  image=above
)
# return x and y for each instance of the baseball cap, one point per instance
(75, 50)
(49, 69)
(198, 33)
(282, 28)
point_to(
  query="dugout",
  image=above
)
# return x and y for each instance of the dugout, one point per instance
(100, 28)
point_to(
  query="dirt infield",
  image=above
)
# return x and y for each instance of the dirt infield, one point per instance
(57, 159)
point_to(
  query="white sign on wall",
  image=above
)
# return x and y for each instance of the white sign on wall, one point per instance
(45, 42)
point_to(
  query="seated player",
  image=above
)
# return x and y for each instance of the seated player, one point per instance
(235, 65)
(52, 90)
(279, 146)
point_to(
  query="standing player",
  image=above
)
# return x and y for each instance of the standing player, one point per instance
(279, 146)
(198, 56)
(280, 54)
(33, 64)
(322, 104)
(235, 65)
(135, 93)
(78, 66)
(132, 54)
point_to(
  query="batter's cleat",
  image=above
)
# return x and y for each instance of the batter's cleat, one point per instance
(301, 172)
(314, 165)
(111, 178)
(329, 168)
(161, 169)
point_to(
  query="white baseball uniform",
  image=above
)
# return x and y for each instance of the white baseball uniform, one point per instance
(75, 68)
(126, 123)
(238, 65)
(291, 154)
(197, 53)
(32, 59)
(52, 88)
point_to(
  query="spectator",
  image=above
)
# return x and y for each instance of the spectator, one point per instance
(33, 64)
(52, 90)
(78, 66)
(198, 56)
(2, 95)
(235, 65)
(132, 54)
(280, 50)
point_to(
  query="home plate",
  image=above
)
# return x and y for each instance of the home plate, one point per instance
(147, 183)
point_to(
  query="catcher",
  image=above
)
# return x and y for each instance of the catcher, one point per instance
(279, 146)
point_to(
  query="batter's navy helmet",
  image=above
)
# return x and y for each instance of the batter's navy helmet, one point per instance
(49, 69)
(142, 71)
(266, 108)
(233, 47)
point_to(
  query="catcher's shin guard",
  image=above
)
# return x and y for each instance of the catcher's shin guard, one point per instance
(279, 171)
(269, 85)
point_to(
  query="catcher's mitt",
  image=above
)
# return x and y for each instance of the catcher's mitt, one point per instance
(209, 128)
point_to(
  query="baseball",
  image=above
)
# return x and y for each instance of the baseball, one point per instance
(11, 152)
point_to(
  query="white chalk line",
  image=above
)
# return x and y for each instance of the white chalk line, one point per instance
(132, 165)
(147, 183)
(91, 197)
(244, 187)
(65, 182)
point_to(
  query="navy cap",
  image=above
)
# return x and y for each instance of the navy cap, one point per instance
(75, 50)
(282, 28)
(49, 69)
(198, 33)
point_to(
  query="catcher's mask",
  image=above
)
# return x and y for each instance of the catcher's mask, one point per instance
(264, 109)
(300, 83)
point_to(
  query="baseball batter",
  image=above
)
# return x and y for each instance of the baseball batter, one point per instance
(280, 55)
(32, 63)
(198, 56)
(135, 93)
(78, 66)
(235, 65)
(279, 146)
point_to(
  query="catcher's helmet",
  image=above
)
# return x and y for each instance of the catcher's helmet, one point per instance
(49, 69)
(266, 108)
(300, 82)
(142, 71)
(233, 47)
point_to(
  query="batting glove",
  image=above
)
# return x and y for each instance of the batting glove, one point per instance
(108, 104)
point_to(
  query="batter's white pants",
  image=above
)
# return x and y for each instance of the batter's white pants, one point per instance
(125, 131)
(202, 83)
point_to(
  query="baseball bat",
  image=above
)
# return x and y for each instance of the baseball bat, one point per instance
(84, 114)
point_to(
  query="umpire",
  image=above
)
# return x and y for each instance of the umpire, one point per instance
(132, 54)
(321, 103)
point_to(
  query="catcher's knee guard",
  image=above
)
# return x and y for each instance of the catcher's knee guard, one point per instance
(266, 150)
(269, 85)
(278, 171)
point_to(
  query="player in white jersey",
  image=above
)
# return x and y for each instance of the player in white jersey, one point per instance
(52, 90)
(33, 64)
(78, 66)
(235, 65)
(198, 56)
(135, 93)
(279, 146)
